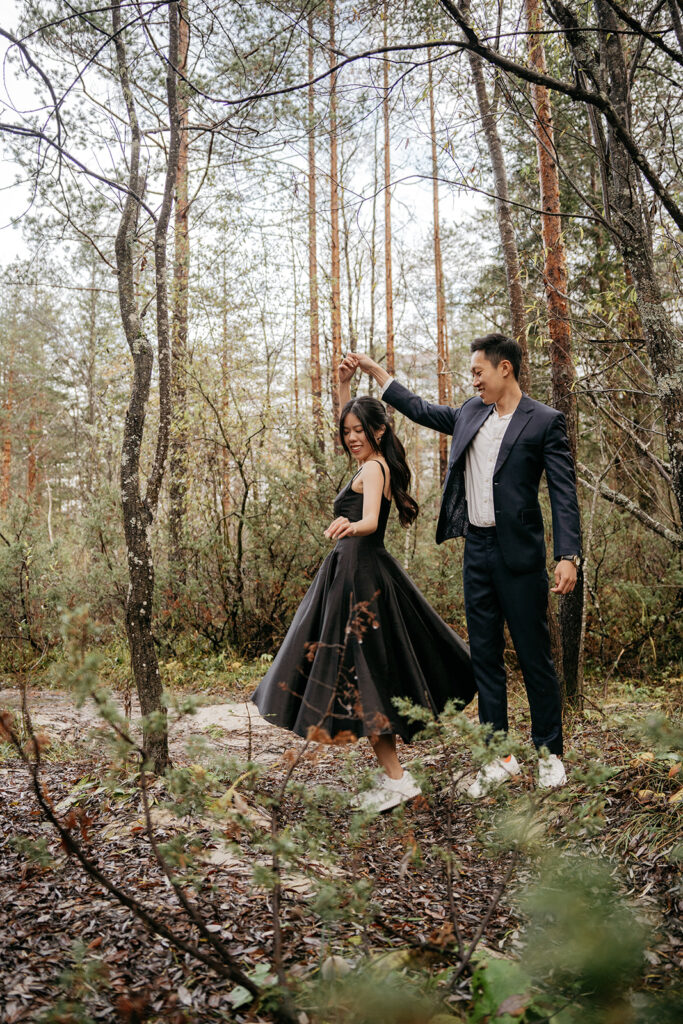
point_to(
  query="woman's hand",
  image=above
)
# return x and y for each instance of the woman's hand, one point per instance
(341, 527)
(348, 367)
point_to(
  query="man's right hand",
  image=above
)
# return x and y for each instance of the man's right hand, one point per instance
(348, 367)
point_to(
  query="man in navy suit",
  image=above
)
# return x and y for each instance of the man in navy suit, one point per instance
(502, 443)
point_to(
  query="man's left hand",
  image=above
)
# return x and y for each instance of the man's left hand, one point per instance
(565, 577)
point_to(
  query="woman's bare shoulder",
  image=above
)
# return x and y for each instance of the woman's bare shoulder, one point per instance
(378, 470)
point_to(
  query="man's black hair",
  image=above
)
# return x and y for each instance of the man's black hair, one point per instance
(498, 346)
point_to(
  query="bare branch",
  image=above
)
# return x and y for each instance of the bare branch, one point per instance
(631, 506)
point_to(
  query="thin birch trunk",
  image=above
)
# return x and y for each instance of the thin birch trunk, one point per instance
(181, 274)
(225, 366)
(314, 313)
(8, 427)
(334, 214)
(32, 459)
(139, 510)
(555, 278)
(504, 217)
(91, 356)
(353, 334)
(373, 258)
(445, 390)
(388, 283)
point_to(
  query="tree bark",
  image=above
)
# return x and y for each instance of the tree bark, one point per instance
(335, 281)
(445, 389)
(225, 369)
(388, 283)
(138, 510)
(314, 313)
(181, 274)
(91, 458)
(503, 215)
(607, 70)
(8, 427)
(603, 84)
(555, 280)
(32, 458)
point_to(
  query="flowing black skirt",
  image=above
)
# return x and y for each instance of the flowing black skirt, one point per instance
(363, 635)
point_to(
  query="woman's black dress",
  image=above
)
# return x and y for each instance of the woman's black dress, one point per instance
(362, 635)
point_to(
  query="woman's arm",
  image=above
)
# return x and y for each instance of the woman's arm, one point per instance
(347, 368)
(372, 479)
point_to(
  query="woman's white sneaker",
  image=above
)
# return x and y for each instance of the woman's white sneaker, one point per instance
(388, 793)
(551, 773)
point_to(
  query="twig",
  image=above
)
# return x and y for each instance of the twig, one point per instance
(495, 900)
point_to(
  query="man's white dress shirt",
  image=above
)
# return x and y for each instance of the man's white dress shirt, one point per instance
(480, 462)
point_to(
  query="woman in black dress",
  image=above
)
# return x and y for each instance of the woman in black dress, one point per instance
(364, 634)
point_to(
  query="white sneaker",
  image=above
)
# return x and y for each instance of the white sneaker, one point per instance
(491, 775)
(551, 773)
(387, 793)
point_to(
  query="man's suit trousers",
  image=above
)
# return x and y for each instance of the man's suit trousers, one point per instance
(495, 595)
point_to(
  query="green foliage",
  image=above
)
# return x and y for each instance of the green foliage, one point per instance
(584, 942)
(36, 851)
(503, 991)
(87, 976)
(371, 994)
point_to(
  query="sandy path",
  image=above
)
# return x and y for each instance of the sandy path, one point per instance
(231, 726)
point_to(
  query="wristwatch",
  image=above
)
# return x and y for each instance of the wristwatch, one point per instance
(576, 559)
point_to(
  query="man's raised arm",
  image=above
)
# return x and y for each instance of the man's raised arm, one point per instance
(427, 414)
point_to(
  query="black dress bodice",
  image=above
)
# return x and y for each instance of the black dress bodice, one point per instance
(349, 503)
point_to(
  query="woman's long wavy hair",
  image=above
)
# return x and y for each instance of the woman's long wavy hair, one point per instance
(373, 416)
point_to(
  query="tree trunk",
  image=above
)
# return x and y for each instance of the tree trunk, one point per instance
(91, 362)
(445, 389)
(138, 511)
(8, 427)
(225, 370)
(388, 283)
(631, 220)
(314, 314)
(353, 333)
(555, 280)
(607, 71)
(181, 273)
(504, 217)
(32, 458)
(373, 255)
(334, 213)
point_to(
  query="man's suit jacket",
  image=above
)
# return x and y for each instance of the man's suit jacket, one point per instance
(535, 440)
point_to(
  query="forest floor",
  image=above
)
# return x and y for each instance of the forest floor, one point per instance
(63, 938)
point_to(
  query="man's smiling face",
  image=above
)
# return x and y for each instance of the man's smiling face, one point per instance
(488, 380)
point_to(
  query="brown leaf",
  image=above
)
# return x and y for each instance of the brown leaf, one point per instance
(443, 935)
(133, 1007)
(36, 744)
(514, 1005)
(317, 735)
(6, 725)
(344, 737)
